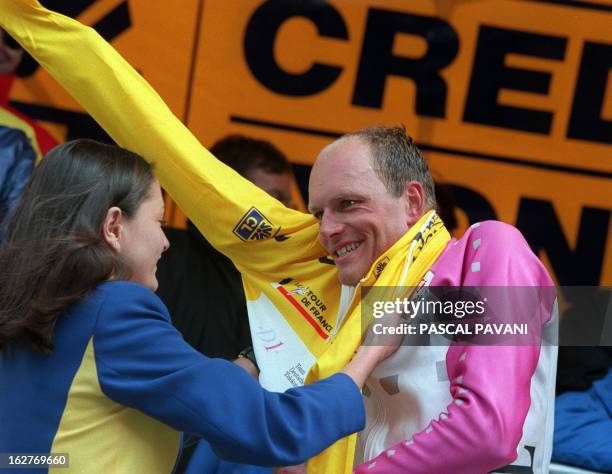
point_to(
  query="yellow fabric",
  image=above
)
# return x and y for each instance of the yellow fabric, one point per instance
(431, 238)
(12, 121)
(235, 216)
(102, 436)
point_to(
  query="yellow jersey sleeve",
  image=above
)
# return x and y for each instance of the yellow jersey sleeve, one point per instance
(257, 232)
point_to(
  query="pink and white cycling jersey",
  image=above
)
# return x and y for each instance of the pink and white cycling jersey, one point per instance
(467, 408)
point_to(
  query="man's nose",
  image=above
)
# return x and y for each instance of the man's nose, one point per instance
(330, 226)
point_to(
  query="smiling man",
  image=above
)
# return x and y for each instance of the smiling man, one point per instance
(365, 204)
(478, 408)
(431, 408)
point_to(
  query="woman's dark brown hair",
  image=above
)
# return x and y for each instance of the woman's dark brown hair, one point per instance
(54, 253)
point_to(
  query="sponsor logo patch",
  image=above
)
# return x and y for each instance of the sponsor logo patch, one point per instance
(307, 303)
(253, 226)
(380, 266)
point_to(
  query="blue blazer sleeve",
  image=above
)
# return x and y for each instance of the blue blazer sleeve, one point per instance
(144, 363)
(16, 164)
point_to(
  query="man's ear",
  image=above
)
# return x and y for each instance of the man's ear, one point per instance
(112, 228)
(414, 195)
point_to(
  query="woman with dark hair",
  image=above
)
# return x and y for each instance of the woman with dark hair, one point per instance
(89, 362)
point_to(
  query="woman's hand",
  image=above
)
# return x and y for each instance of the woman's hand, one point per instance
(380, 342)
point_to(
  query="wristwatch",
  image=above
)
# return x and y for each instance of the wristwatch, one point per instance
(249, 353)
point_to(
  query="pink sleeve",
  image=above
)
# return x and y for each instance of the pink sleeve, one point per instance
(480, 429)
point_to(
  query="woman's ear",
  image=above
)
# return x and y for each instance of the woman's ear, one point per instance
(112, 228)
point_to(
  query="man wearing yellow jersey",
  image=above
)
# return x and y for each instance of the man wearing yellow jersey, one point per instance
(431, 409)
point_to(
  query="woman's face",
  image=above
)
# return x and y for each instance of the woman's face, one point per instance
(142, 240)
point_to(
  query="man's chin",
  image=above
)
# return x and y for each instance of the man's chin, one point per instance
(348, 278)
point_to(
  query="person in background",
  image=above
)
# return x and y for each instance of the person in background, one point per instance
(22, 141)
(583, 407)
(17, 159)
(193, 276)
(583, 426)
(11, 55)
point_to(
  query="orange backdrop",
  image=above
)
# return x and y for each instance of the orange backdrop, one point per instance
(511, 100)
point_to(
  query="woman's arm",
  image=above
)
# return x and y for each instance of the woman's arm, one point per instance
(144, 363)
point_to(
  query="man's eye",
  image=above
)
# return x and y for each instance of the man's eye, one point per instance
(318, 215)
(162, 222)
(348, 203)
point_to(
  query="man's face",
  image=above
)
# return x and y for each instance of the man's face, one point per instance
(359, 219)
(277, 185)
